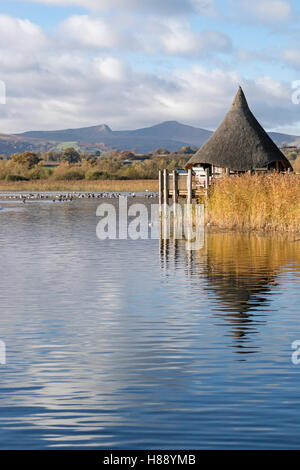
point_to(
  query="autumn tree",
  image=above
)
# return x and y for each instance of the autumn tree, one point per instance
(26, 159)
(70, 155)
(92, 159)
(161, 151)
(187, 150)
(126, 155)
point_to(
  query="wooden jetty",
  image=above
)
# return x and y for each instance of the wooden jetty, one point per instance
(180, 184)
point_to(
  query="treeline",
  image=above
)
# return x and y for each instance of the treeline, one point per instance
(72, 165)
(293, 155)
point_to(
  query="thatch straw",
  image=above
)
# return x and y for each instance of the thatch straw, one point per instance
(240, 143)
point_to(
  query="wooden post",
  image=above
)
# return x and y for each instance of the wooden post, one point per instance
(160, 189)
(175, 187)
(189, 187)
(166, 187)
(206, 178)
(227, 171)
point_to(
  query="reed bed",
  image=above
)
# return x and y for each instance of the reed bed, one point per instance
(268, 202)
(80, 185)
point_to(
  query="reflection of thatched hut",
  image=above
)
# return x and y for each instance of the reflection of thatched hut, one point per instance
(238, 273)
(239, 144)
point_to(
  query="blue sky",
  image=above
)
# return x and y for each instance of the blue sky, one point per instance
(133, 63)
(46, 15)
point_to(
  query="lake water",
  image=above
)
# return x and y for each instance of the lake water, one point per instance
(143, 344)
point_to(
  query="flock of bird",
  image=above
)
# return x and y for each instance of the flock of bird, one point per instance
(68, 197)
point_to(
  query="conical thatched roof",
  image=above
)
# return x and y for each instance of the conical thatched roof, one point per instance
(240, 143)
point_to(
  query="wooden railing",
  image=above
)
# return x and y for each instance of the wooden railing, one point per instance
(176, 185)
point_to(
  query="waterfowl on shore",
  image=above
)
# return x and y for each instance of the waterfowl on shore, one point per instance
(69, 197)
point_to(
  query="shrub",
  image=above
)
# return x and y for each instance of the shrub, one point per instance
(96, 175)
(9, 178)
(38, 173)
(296, 164)
(69, 174)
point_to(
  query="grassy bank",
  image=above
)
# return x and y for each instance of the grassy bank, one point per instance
(259, 202)
(81, 185)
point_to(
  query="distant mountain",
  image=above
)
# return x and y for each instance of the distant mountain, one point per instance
(170, 134)
(280, 139)
(85, 134)
(13, 144)
(172, 130)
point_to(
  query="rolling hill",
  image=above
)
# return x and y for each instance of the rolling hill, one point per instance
(17, 144)
(170, 134)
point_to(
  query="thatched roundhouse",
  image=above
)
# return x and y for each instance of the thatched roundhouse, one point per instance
(238, 145)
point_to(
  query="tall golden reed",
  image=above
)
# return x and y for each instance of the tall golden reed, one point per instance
(269, 202)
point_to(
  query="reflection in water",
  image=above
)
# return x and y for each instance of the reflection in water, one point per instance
(127, 344)
(240, 271)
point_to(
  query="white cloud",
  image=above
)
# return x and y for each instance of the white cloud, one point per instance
(264, 55)
(167, 36)
(272, 102)
(56, 85)
(111, 69)
(205, 7)
(177, 38)
(199, 96)
(266, 11)
(21, 42)
(73, 90)
(21, 35)
(272, 88)
(292, 56)
(87, 31)
(173, 7)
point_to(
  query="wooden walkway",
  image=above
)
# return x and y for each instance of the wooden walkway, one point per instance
(184, 184)
(175, 185)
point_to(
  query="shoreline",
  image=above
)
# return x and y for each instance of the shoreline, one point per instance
(80, 186)
(69, 196)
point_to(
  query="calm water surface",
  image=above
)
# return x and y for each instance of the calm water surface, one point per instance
(141, 344)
